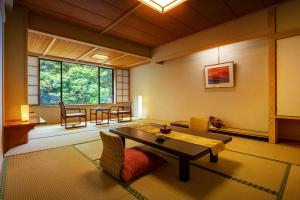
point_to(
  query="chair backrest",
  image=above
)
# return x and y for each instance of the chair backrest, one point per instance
(199, 124)
(112, 157)
(62, 108)
(127, 105)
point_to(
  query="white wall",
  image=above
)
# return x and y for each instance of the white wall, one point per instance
(288, 76)
(176, 89)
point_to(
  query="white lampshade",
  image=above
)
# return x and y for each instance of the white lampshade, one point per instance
(24, 113)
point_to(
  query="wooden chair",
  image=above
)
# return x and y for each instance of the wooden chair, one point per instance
(122, 110)
(112, 157)
(64, 115)
(125, 163)
(199, 124)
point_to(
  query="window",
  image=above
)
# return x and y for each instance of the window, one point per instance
(33, 97)
(74, 83)
(122, 85)
(50, 81)
(106, 85)
(80, 83)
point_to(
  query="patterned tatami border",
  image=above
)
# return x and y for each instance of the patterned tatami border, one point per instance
(261, 188)
(284, 181)
(124, 185)
(50, 136)
(271, 159)
(3, 178)
(52, 148)
(138, 195)
(278, 194)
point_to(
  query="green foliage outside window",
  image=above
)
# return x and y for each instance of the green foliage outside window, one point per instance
(81, 83)
(49, 82)
(106, 85)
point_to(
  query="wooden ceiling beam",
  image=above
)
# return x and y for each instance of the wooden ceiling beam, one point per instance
(49, 46)
(86, 53)
(59, 28)
(122, 17)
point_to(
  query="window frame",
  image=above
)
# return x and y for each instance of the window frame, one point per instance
(38, 84)
(61, 80)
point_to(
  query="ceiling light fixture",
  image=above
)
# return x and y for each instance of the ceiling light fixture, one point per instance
(99, 56)
(162, 6)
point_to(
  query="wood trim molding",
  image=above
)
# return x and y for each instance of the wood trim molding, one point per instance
(273, 134)
(77, 33)
(117, 21)
(210, 46)
(55, 58)
(138, 63)
(86, 53)
(286, 34)
(49, 46)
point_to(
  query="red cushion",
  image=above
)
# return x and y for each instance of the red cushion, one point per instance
(138, 162)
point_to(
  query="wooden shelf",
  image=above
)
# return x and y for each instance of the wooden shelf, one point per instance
(16, 132)
(287, 117)
(236, 131)
(34, 119)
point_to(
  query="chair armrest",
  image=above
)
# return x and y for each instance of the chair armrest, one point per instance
(82, 109)
(79, 109)
(117, 107)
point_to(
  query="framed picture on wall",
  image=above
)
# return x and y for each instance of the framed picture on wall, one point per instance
(219, 75)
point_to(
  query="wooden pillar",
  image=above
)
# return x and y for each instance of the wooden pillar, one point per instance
(273, 135)
(15, 62)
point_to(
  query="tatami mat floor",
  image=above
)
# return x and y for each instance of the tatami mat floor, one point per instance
(248, 169)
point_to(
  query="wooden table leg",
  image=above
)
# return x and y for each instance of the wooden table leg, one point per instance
(213, 158)
(184, 169)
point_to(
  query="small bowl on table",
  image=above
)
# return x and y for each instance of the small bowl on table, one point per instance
(165, 130)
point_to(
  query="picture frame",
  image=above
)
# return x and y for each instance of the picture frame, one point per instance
(219, 75)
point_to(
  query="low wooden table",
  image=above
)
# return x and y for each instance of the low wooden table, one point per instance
(186, 151)
(94, 112)
(15, 132)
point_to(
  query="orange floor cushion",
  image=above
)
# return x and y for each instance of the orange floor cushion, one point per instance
(137, 162)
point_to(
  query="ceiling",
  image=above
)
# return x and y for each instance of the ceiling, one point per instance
(130, 20)
(49, 46)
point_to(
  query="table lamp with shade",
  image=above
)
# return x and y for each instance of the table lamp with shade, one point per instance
(24, 113)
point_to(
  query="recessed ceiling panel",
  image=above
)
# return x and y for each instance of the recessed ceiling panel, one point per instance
(127, 61)
(37, 44)
(67, 49)
(110, 53)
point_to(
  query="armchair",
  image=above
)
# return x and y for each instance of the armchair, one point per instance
(122, 110)
(64, 115)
